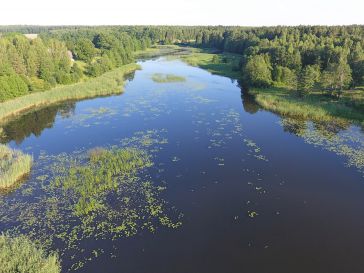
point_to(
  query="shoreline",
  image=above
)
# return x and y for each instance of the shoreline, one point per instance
(109, 83)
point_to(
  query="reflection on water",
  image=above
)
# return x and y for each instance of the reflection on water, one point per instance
(216, 179)
(35, 122)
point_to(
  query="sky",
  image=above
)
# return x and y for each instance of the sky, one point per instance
(182, 12)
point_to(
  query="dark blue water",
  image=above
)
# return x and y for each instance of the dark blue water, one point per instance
(256, 193)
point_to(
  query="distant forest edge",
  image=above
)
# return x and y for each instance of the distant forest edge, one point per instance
(303, 58)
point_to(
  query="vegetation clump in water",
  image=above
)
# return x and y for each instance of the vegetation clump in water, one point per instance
(13, 166)
(102, 195)
(20, 255)
(166, 78)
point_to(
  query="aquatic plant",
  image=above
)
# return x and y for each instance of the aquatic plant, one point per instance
(315, 106)
(330, 136)
(166, 78)
(102, 194)
(21, 255)
(13, 166)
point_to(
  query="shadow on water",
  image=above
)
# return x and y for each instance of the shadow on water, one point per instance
(35, 122)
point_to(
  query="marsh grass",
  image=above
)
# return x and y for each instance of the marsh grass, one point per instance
(96, 153)
(166, 78)
(20, 255)
(224, 64)
(14, 165)
(316, 106)
(107, 84)
(101, 194)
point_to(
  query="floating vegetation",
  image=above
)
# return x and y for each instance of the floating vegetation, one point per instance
(13, 166)
(333, 137)
(21, 255)
(252, 214)
(102, 194)
(95, 115)
(166, 78)
(254, 149)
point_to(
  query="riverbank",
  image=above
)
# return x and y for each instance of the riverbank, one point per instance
(107, 84)
(316, 105)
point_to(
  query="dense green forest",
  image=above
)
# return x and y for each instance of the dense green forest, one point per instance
(304, 58)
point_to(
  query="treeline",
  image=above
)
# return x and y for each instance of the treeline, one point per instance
(301, 58)
(62, 56)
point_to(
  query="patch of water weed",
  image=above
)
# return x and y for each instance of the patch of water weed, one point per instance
(335, 137)
(92, 116)
(14, 165)
(167, 78)
(98, 195)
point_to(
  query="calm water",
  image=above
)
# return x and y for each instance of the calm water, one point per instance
(254, 192)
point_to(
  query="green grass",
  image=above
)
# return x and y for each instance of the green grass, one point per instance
(315, 106)
(157, 51)
(14, 165)
(104, 172)
(166, 78)
(220, 64)
(20, 255)
(107, 84)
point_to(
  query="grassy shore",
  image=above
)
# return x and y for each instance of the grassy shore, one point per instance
(13, 166)
(109, 83)
(220, 64)
(316, 105)
(20, 255)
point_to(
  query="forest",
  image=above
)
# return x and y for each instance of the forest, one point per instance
(303, 58)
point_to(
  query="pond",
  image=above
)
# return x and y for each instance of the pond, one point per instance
(220, 184)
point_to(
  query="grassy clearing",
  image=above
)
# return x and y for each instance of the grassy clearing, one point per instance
(315, 106)
(13, 166)
(166, 78)
(107, 84)
(158, 50)
(20, 255)
(221, 64)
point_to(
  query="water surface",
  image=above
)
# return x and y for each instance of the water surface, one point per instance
(253, 191)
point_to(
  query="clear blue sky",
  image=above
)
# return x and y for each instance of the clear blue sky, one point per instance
(183, 12)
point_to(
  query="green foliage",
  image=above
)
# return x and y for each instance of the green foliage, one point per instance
(309, 77)
(109, 83)
(315, 106)
(85, 50)
(13, 166)
(20, 255)
(258, 71)
(12, 86)
(337, 76)
(285, 76)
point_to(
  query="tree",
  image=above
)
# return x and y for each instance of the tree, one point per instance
(258, 71)
(286, 76)
(309, 77)
(337, 76)
(84, 50)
